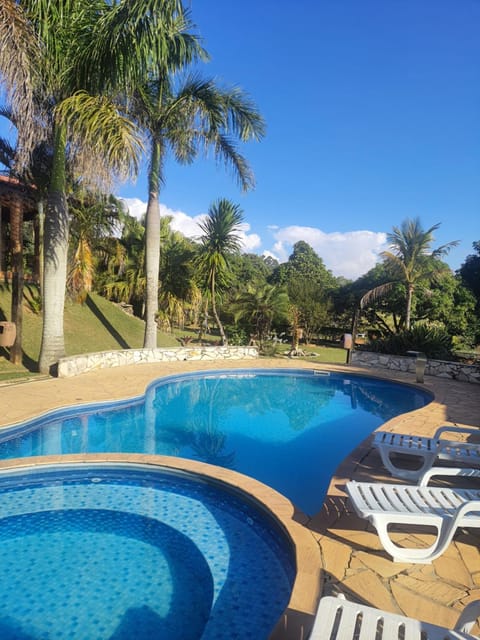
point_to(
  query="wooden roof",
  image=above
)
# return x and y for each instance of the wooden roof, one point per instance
(12, 189)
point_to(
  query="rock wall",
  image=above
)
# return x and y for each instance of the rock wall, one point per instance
(74, 365)
(440, 368)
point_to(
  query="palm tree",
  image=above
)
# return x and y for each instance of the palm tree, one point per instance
(19, 55)
(261, 306)
(125, 262)
(93, 220)
(184, 119)
(219, 241)
(91, 52)
(179, 294)
(411, 260)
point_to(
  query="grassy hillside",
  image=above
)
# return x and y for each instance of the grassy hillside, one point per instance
(97, 325)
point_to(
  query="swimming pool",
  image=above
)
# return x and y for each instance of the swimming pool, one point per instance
(123, 551)
(288, 428)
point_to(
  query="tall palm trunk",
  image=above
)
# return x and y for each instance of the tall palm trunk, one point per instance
(55, 257)
(152, 250)
(408, 310)
(215, 313)
(16, 224)
(39, 228)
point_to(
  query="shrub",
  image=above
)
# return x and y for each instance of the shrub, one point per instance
(269, 349)
(237, 336)
(432, 339)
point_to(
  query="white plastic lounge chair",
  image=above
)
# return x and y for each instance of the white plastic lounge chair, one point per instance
(339, 619)
(427, 449)
(444, 509)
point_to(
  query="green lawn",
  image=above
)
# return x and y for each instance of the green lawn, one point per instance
(99, 325)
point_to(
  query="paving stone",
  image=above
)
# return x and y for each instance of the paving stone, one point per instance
(416, 605)
(423, 572)
(468, 548)
(383, 566)
(452, 569)
(367, 587)
(335, 556)
(368, 540)
(355, 566)
(436, 590)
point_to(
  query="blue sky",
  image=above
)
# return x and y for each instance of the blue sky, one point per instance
(373, 116)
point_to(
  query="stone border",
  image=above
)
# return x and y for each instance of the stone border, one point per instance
(74, 365)
(439, 368)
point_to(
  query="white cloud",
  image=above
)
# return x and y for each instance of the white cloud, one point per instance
(350, 254)
(250, 241)
(189, 225)
(135, 206)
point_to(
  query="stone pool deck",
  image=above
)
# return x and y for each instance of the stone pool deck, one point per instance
(337, 551)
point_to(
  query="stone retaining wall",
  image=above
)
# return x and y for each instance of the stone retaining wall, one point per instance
(72, 366)
(440, 368)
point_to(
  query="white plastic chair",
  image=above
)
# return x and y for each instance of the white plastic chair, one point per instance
(442, 508)
(339, 619)
(427, 449)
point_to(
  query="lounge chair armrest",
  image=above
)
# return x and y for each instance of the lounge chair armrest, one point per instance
(468, 617)
(447, 471)
(446, 429)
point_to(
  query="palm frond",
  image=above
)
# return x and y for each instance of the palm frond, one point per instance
(376, 293)
(102, 139)
(19, 54)
(132, 38)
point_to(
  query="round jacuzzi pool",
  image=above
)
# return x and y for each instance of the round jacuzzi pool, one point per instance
(122, 551)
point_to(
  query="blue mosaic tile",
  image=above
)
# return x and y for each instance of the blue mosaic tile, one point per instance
(91, 556)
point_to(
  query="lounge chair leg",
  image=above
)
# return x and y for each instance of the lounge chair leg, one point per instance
(425, 555)
(401, 472)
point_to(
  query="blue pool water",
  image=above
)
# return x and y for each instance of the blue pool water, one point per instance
(121, 553)
(287, 428)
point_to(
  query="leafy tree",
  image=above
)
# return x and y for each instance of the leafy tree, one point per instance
(250, 268)
(451, 305)
(312, 303)
(470, 273)
(304, 263)
(411, 262)
(219, 241)
(309, 285)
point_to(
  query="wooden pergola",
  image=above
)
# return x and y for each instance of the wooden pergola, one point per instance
(18, 204)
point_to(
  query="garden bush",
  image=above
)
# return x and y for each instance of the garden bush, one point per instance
(432, 339)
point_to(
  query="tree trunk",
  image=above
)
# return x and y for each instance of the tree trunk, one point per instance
(39, 226)
(152, 251)
(55, 258)
(408, 312)
(216, 316)
(16, 241)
